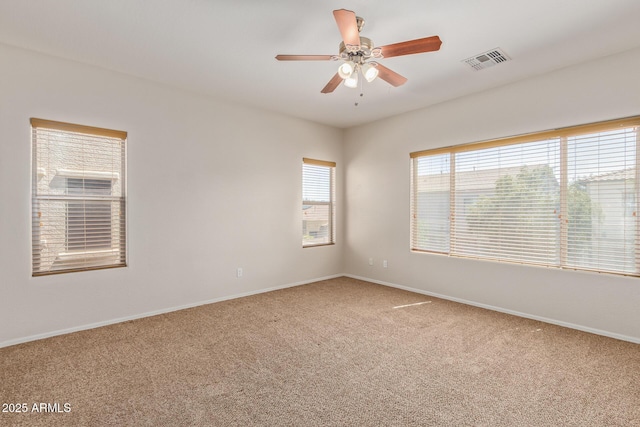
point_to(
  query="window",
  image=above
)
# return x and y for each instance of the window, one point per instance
(78, 198)
(565, 198)
(318, 206)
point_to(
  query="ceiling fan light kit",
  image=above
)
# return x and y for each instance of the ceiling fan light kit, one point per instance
(357, 53)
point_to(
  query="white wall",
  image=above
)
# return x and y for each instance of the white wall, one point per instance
(377, 196)
(214, 186)
(211, 187)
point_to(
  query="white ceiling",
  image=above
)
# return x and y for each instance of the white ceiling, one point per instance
(226, 48)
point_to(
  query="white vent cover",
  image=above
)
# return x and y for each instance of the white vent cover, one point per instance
(487, 59)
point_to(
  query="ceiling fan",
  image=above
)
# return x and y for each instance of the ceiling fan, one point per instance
(359, 54)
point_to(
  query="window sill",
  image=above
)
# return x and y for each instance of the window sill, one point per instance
(319, 244)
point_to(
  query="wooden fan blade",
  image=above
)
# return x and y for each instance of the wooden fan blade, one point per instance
(348, 26)
(391, 77)
(333, 84)
(427, 44)
(304, 57)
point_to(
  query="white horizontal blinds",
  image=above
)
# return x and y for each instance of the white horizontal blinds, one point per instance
(430, 203)
(318, 207)
(89, 222)
(565, 198)
(602, 200)
(506, 202)
(78, 198)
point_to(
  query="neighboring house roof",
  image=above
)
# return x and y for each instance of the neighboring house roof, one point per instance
(482, 179)
(619, 175)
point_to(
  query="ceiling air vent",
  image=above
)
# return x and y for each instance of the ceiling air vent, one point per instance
(487, 59)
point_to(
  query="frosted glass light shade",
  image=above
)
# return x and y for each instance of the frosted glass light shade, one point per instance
(370, 72)
(346, 69)
(352, 81)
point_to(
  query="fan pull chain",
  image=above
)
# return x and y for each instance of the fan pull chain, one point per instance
(361, 93)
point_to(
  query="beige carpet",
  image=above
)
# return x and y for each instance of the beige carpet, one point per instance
(335, 353)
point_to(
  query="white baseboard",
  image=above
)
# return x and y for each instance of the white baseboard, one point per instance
(156, 312)
(635, 340)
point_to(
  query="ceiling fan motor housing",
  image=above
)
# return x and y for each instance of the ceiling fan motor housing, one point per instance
(357, 53)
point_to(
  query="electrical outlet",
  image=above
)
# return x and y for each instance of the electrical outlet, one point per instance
(385, 264)
(239, 272)
(370, 261)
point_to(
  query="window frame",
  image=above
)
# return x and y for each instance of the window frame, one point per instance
(563, 135)
(50, 203)
(330, 204)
